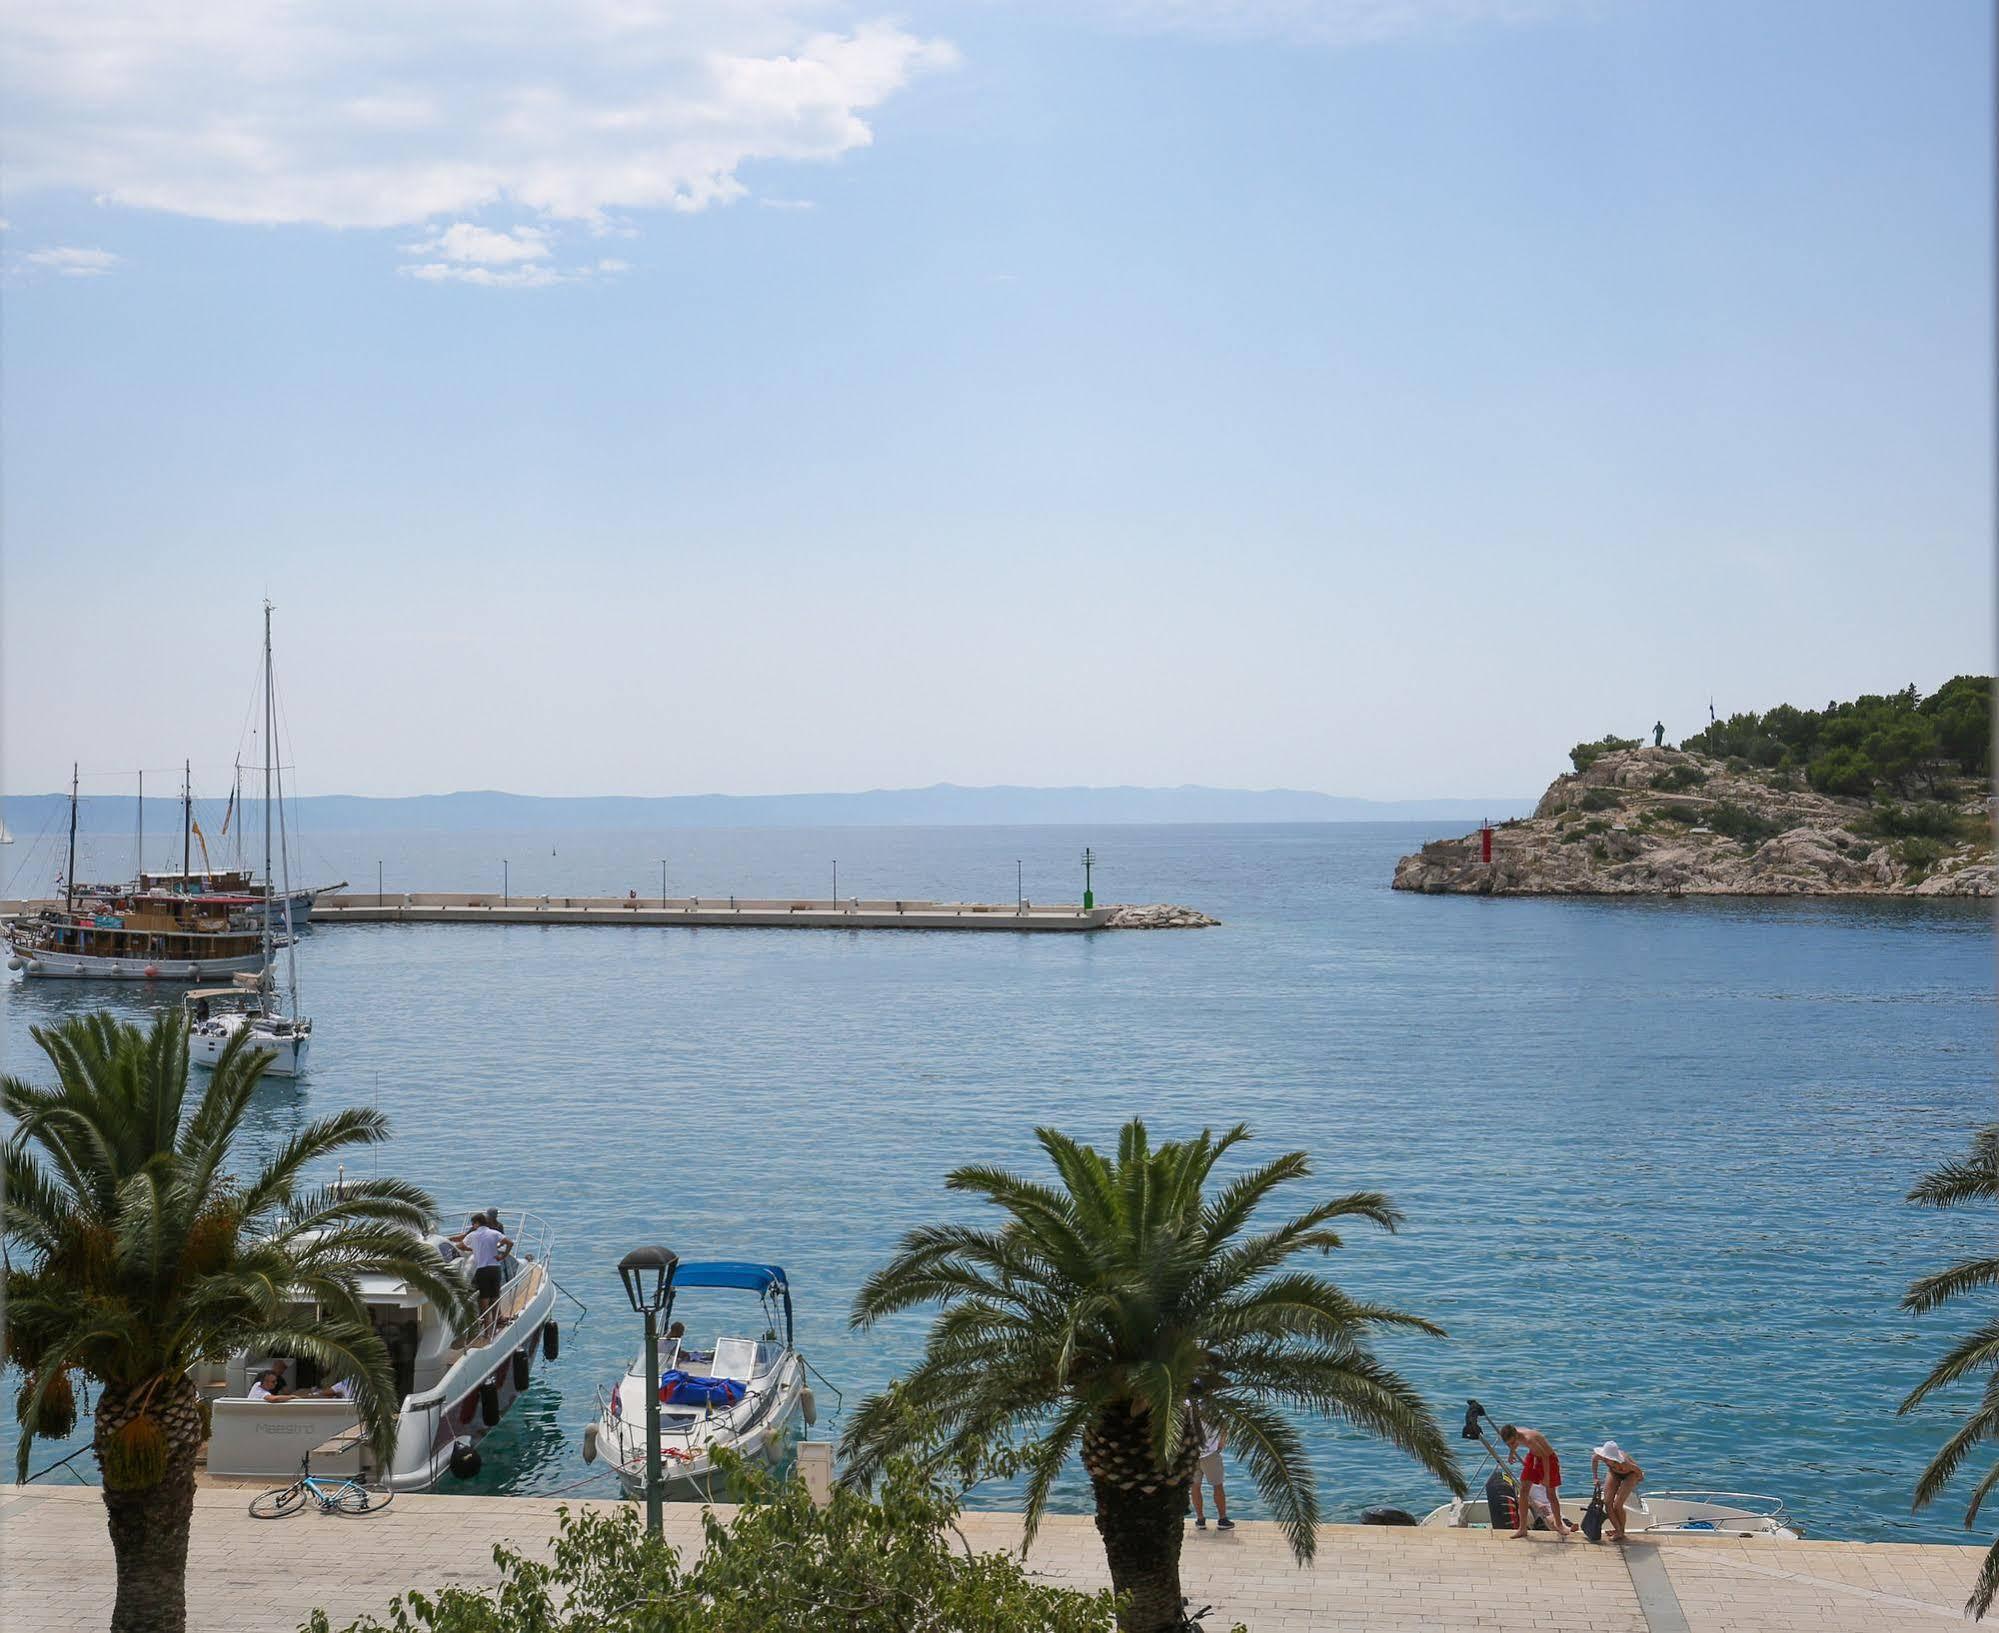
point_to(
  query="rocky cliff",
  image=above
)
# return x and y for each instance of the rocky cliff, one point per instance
(1650, 821)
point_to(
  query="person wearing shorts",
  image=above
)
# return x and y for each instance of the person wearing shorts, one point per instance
(482, 1239)
(1540, 1480)
(1209, 1468)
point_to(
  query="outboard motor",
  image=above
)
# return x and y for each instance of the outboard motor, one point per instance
(1499, 1500)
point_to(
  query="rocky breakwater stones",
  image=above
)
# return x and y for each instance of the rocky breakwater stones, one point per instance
(1158, 916)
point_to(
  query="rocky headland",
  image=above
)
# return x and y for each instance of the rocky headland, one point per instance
(1662, 821)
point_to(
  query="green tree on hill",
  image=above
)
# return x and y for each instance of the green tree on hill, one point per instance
(1875, 744)
(1585, 755)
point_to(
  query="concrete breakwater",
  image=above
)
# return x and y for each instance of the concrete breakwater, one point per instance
(744, 912)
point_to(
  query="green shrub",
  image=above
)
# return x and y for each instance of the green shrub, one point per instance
(1928, 820)
(1739, 823)
(864, 1564)
(1677, 779)
(1585, 755)
(1920, 852)
(1600, 799)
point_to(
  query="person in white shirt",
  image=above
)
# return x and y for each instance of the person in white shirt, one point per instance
(482, 1239)
(1209, 1468)
(270, 1387)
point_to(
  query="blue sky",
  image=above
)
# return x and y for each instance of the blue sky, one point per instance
(1364, 395)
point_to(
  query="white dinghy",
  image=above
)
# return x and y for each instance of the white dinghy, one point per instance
(745, 1394)
(1655, 1513)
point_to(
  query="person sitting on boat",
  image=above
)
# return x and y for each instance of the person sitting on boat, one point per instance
(482, 1239)
(341, 1389)
(1540, 1480)
(270, 1386)
(1619, 1479)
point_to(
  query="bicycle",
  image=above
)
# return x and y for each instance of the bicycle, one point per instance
(349, 1495)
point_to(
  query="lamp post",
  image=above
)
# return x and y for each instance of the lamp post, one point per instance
(1019, 888)
(506, 883)
(662, 881)
(1089, 863)
(647, 1273)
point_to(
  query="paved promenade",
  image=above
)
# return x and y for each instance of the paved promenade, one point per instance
(255, 1576)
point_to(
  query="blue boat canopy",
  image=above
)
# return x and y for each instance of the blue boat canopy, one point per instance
(766, 1280)
(752, 1278)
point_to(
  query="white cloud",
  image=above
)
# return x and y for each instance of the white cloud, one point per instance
(462, 241)
(610, 266)
(378, 113)
(526, 277)
(69, 262)
(788, 203)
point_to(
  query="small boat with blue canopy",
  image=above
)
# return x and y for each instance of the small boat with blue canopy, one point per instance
(743, 1390)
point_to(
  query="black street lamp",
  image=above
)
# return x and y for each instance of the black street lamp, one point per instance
(647, 1273)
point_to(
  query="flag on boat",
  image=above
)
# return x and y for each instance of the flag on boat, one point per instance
(228, 812)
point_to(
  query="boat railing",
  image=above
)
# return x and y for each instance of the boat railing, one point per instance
(1750, 1502)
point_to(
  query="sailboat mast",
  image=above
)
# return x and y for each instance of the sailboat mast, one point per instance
(139, 845)
(266, 790)
(186, 817)
(69, 872)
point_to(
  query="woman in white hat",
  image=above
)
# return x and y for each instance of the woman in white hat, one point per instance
(1620, 1479)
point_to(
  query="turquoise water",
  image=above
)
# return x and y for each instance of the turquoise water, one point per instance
(1652, 1154)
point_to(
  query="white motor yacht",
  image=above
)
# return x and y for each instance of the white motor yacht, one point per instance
(745, 1393)
(453, 1389)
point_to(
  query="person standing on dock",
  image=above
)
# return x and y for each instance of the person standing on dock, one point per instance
(1619, 1480)
(1213, 1442)
(1540, 1481)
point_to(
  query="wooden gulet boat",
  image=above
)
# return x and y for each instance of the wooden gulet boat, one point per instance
(120, 937)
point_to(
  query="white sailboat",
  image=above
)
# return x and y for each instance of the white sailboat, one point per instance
(217, 1014)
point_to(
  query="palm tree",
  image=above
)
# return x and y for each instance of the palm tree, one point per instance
(134, 1255)
(1973, 1179)
(1104, 1305)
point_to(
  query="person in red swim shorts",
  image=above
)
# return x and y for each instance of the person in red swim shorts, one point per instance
(1540, 1480)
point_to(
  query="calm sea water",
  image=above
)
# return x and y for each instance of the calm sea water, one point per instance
(1652, 1154)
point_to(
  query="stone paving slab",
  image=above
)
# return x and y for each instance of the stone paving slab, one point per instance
(254, 1576)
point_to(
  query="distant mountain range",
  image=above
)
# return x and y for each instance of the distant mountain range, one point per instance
(942, 805)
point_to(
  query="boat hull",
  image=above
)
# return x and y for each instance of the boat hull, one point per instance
(1653, 1516)
(284, 1056)
(41, 964)
(687, 1471)
(433, 1426)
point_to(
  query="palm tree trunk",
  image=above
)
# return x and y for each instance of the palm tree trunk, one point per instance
(149, 1523)
(1140, 1515)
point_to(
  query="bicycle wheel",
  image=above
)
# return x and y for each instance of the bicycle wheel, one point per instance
(356, 1498)
(278, 1502)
